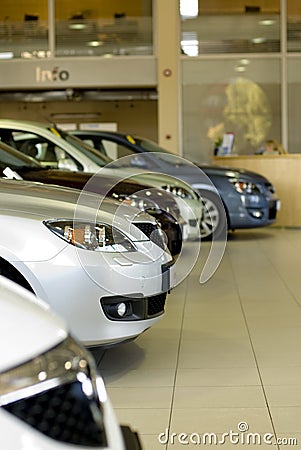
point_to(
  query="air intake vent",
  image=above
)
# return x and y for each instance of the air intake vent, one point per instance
(63, 413)
(153, 232)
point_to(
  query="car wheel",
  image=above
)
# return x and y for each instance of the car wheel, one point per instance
(213, 222)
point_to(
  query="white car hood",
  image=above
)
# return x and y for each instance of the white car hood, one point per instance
(44, 202)
(28, 328)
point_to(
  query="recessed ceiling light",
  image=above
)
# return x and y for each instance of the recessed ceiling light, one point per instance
(189, 8)
(259, 40)
(244, 61)
(240, 69)
(77, 26)
(6, 55)
(267, 22)
(94, 43)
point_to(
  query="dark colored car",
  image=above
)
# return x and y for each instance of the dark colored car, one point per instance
(156, 202)
(248, 198)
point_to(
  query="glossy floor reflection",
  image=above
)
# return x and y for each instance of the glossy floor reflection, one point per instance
(226, 356)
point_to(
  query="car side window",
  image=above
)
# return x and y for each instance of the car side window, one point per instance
(44, 151)
(116, 150)
(36, 146)
(89, 141)
(6, 137)
(94, 142)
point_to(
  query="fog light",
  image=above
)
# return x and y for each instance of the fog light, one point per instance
(257, 214)
(121, 309)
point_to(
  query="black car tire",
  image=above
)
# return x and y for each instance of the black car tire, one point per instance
(213, 222)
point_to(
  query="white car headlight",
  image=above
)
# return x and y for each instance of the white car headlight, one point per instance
(141, 203)
(179, 191)
(89, 236)
(59, 394)
(244, 187)
(149, 205)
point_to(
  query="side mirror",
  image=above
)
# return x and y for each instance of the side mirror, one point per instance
(67, 164)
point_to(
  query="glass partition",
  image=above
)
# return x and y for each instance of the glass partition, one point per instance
(293, 26)
(104, 37)
(91, 28)
(24, 30)
(106, 28)
(229, 27)
(230, 95)
(294, 104)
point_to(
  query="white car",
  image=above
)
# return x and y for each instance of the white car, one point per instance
(51, 396)
(95, 268)
(187, 199)
(57, 149)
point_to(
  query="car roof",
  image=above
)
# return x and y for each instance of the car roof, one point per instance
(17, 122)
(100, 132)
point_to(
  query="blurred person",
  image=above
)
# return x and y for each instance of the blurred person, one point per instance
(272, 147)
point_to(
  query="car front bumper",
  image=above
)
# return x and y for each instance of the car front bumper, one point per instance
(131, 438)
(254, 211)
(75, 282)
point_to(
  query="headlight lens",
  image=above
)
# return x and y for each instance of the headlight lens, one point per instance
(58, 363)
(49, 391)
(179, 191)
(141, 203)
(245, 187)
(89, 236)
(148, 205)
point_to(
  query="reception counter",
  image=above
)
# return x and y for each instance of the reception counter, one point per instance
(284, 171)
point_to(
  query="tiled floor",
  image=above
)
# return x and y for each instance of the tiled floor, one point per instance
(226, 353)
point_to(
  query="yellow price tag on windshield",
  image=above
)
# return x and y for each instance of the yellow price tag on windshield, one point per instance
(131, 139)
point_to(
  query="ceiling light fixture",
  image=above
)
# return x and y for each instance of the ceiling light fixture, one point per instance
(259, 40)
(189, 8)
(6, 55)
(94, 43)
(77, 26)
(190, 47)
(240, 69)
(267, 22)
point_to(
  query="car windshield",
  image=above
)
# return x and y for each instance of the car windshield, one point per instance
(97, 157)
(163, 154)
(15, 159)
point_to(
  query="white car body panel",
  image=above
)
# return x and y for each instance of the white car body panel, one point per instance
(35, 331)
(72, 280)
(36, 327)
